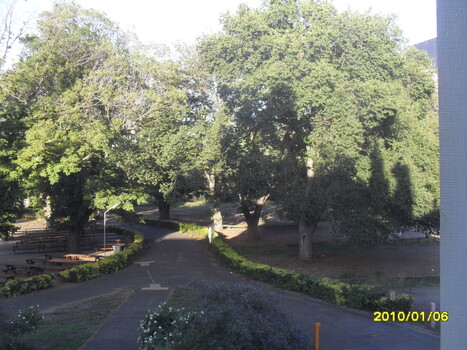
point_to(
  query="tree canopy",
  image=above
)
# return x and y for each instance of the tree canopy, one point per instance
(78, 88)
(327, 90)
(325, 112)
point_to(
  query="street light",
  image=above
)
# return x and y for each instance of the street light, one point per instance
(105, 216)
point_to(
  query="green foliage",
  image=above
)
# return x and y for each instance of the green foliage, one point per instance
(11, 130)
(15, 288)
(359, 296)
(109, 264)
(183, 227)
(312, 84)
(227, 312)
(11, 333)
(74, 95)
(165, 328)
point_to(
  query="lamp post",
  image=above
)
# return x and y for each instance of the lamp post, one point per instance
(105, 219)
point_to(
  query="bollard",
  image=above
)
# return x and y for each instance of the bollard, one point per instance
(211, 234)
(432, 321)
(317, 325)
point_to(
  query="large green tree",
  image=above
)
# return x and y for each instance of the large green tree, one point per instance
(79, 90)
(162, 157)
(11, 127)
(212, 127)
(330, 93)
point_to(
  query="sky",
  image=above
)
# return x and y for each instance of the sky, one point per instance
(166, 22)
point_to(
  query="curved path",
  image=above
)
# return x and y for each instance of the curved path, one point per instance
(175, 259)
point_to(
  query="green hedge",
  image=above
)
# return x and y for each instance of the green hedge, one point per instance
(358, 296)
(109, 264)
(183, 227)
(18, 287)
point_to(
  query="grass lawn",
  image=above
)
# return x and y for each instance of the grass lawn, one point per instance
(71, 326)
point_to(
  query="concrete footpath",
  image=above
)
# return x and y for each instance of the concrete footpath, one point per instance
(174, 260)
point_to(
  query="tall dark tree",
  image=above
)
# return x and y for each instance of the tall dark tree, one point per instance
(322, 89)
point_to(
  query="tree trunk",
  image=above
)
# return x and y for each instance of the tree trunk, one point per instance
(305, 228)
(252, 218)
(76, 230)
(74, 240)
(163, 205)
(215, 200)
(164, 210)
(305, 231)
(252, 230)
(79, 212)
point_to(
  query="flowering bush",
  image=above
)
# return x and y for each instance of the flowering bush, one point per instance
(165, 328)
(11, 332)
(232, 317)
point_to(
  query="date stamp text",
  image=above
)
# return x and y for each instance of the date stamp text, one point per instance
(410, 316)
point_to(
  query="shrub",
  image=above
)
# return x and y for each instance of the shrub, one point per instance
(164, 328)
(359, 296)
(183, 227)
(241, 313)
(18, 287)
(109, 264)
(11, 332)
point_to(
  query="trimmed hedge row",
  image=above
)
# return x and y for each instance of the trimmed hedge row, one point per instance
(183, 227)
(18, 287)
(358, 296)
(109, 264)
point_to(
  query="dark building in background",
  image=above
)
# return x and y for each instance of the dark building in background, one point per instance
(431, 47)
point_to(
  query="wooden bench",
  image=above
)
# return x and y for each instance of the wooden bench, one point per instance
(39, 247)
(35, 270)
(9, 268)
(30, 270)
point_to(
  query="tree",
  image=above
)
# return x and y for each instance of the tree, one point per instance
(323, 89)
(10, 30)
(78, 87)
(11, 131)
(162, 156)
(212, 127)
(11, 128)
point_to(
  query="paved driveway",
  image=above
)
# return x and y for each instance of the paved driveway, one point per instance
(174, 259)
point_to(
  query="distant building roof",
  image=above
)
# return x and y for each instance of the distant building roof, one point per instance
(431, 47)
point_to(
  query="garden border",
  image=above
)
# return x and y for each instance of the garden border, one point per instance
(358, 296)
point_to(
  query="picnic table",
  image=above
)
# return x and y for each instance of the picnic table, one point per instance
(9, 268)
(65, 261)
(81, 256)
(34, 270)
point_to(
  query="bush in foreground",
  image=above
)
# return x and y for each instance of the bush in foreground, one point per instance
(230, 317)
(13, 330)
